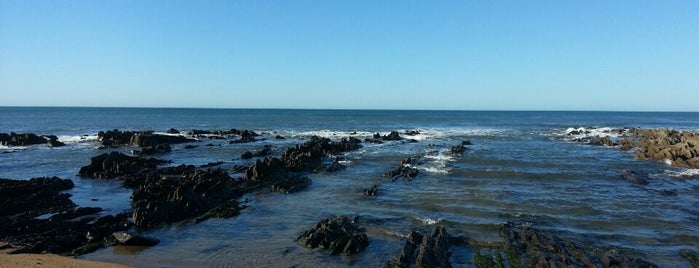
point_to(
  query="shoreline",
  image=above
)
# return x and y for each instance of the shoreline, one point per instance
(51, 260)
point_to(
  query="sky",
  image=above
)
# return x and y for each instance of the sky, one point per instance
(441, 55)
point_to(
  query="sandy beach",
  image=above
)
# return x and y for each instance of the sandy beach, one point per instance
(49, 260)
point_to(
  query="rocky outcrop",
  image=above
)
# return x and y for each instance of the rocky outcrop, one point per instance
(309, 156)
(337, 234)
(174, 194)
(273, 172)
(405, 170)
(23, 139)
(422, 250)
(130, 239)
(371, 191)
(114, 164)
(116, 138)
(459, 149)
(528, 247)
(377, 138)
(680, 147)
(37, 218)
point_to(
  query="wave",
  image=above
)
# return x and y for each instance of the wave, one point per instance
(685, 173)
(428, 221)
(77, 139)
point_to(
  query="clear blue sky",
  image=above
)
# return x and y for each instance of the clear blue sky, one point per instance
(464, 55)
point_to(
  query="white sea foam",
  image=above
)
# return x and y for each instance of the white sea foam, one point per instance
(583, 133)
(77, 139)
(690, 172)
(428, 221)
(436, 163)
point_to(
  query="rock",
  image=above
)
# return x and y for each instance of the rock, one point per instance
(157, 149)
(150, 139)
(309, 156)
(173, 131)
(190, 193)
(23, 139)
(405, 170)
(458, 149)
(424, 250)
(246, 136)
(116, 138)
(68, 230)
(189, 146)
(371, 191)
(114, 164)
(279, 137)
(212, 164)
(601, 141)
(632, 176)
(338, 234)
(53, 141)
(128, 239)
(291, 184)
(528, 247)
(377, 138)
(411, 132)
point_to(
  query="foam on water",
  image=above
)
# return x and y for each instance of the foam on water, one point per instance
(690, 172)
(77, 139)
(437, 163)
(428, 221)
(580, 133)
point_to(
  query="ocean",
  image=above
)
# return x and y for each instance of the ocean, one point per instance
(521, 166)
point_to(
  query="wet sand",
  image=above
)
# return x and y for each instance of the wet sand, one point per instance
(50, 260)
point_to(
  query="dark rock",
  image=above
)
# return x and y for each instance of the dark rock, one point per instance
(601, 141)
(632, 176)
(338, 234)
(157, 149)
(129, 239)
(107, 166)
(116, 138)
(189, 193)
(458, 149)
(411, 132)
(405, 170)
(210, 145)
(377, 138)
(173, 131)
(424, 250)
(309, 156)
(53, 141)
(212, 164)
(528, 247)
(150, 139)
(291, 184)
(371, 191)
(23, 139)
(246, 136)
(69, 231)
(279, 137)
(189, 146)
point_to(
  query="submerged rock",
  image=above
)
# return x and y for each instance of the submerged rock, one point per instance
(632, 176)
(405, 170)
(129, 239)
(261, 153)
(309, 156)
(422, 250)
(338, 234)
(377, 138)
(157, 149)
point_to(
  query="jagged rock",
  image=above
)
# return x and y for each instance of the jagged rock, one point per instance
(246, 136)
(23, 139)
(157, 149)
(116, 138)
(291, 184)
(601, 141)
(189, 193)
(405, 170)
(150, 139)
(107, 166)
(529, 247)
(53, 141)
(129, 239)
(279, 137)
(67, 230)
(377, 138)
(371, 191)
(457, 149)
(424, 251)
(212, 164)
(411, 132)
(632, 176)
(173, 131)
(309, 156)
(338, 234)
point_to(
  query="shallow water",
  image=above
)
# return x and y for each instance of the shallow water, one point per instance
(520, 167)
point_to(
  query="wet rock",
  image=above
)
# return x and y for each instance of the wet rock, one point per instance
(23, 139)
(68, 230)
(116, 138)
(371, 191)
(422, 250)
(188, 193)
(338, 234)
(291, 184)
(246, 136)
(173, 131)
(528, 247)
(53, 141)
(405, 170)
(309, 156)
(129, 239)
(279, 137)
(114, 164)
(411, 132)
(157, 149)
(212, 164)
(601, 141)
(150, 139)
(189, 146)
(632, 176)
(457, 149)
(377, 138)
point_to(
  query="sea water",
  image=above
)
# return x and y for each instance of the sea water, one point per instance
(520, 167)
